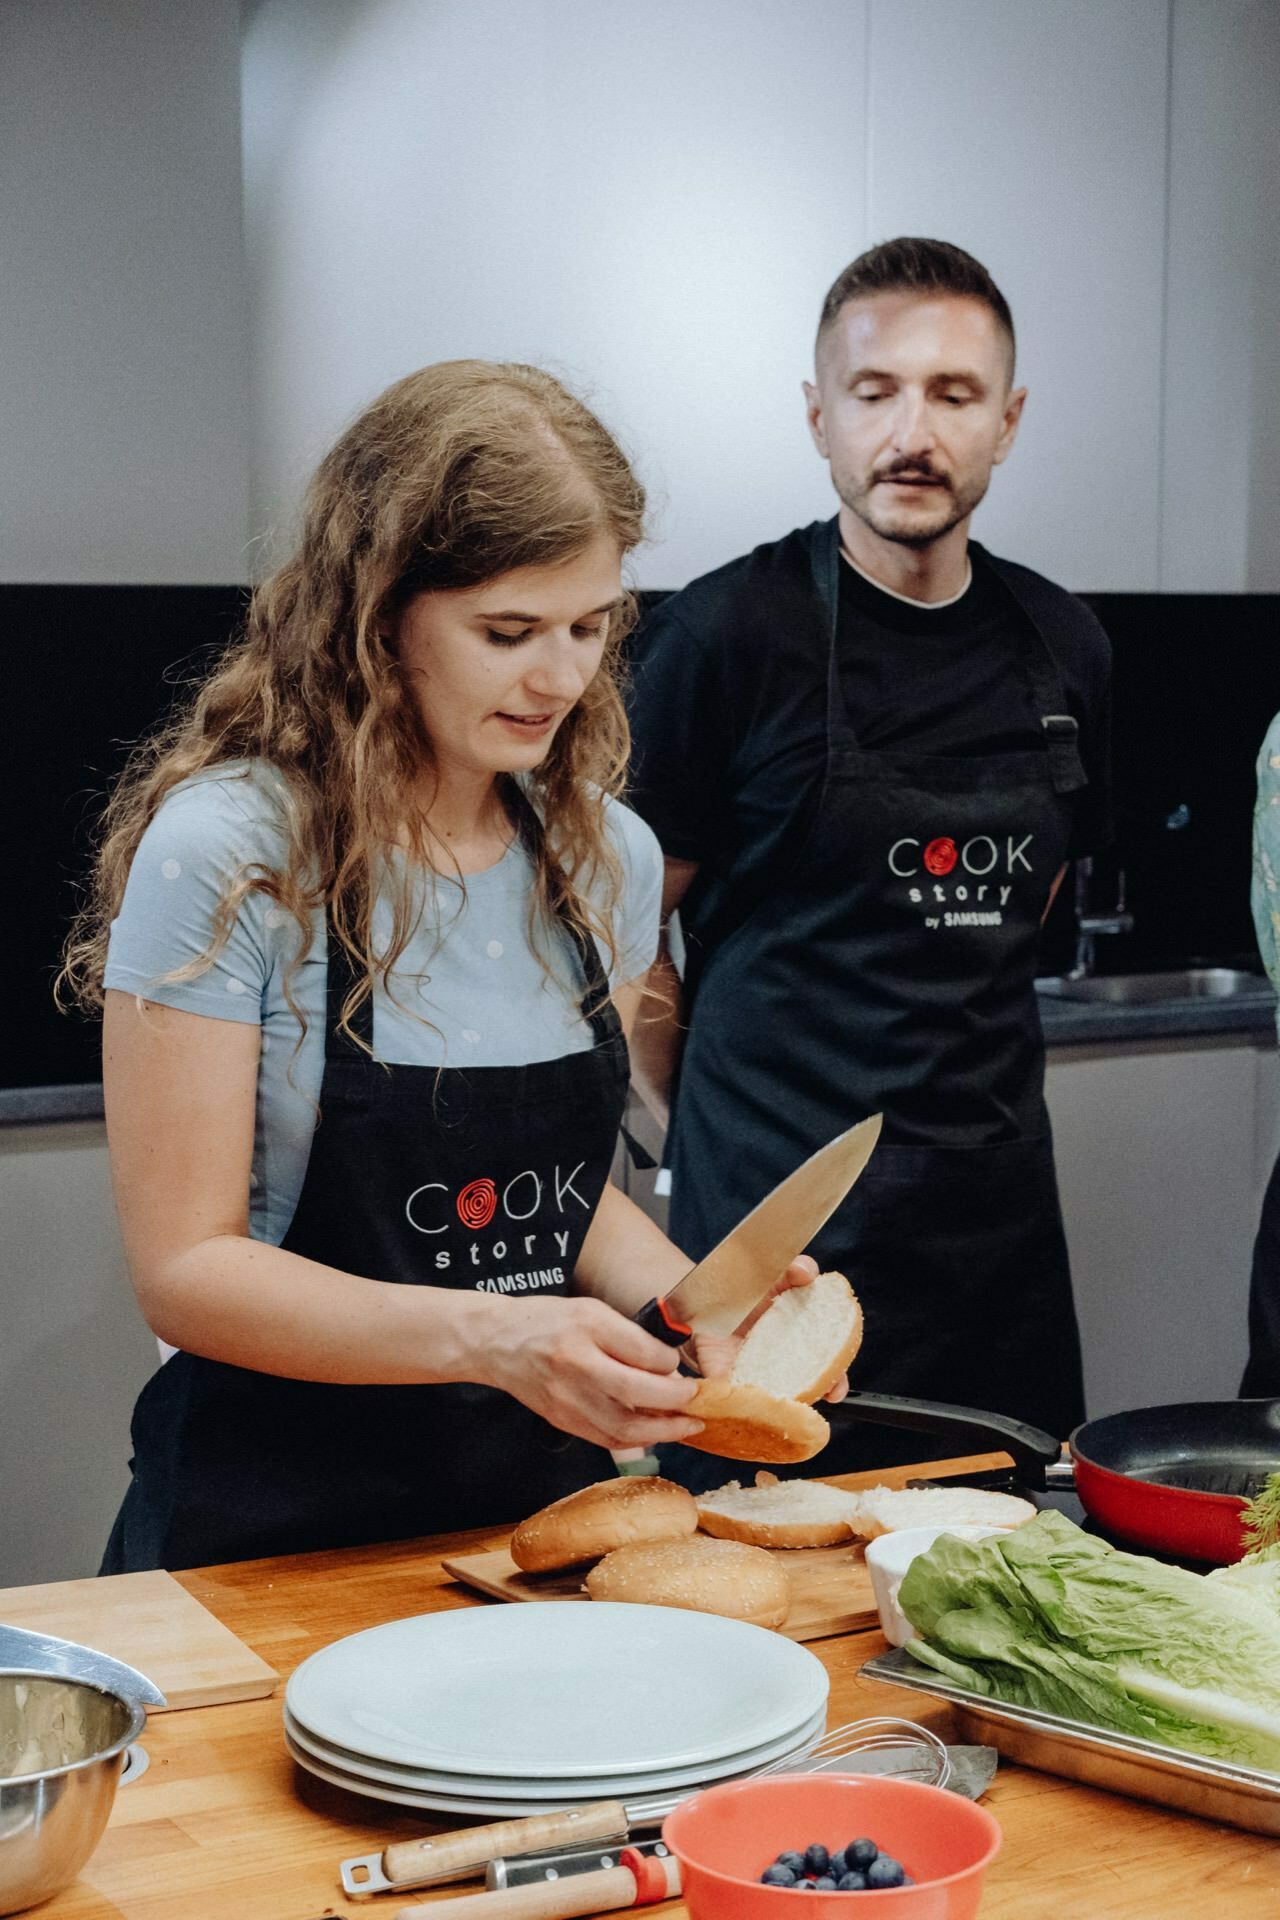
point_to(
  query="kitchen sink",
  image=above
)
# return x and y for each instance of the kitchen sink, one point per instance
(1149, 989)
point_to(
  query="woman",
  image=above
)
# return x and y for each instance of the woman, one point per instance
(372, 913)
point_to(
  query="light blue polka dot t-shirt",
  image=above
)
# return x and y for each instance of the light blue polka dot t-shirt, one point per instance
(477, 997)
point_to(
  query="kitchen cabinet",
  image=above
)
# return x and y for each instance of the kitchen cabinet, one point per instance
(1163, 1150)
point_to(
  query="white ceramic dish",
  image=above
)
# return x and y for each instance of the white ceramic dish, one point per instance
(553, 1791)
(546, 1689)
(647, 1810)
(888, 1558)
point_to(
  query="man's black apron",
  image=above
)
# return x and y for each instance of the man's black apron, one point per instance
(485, 1176)
(891, 966)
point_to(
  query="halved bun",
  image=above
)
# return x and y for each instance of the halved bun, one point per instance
(804, 1341)
(779, 1513)
(745, 1423)
(888, 1509)
(707, 1576)
(801, 1343)
(593, 1521)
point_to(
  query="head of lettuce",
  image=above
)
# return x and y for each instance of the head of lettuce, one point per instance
(1050, 1617)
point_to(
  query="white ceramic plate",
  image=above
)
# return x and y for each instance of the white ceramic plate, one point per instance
(554, 1792)
(546, 1689)
(647, 1810)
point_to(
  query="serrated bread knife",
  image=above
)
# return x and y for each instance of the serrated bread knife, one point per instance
(717, 1295)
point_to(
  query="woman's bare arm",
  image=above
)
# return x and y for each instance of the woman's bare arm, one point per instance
(180, 1094)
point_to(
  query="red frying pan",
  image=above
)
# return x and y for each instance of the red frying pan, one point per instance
(1175, 1479)
(1168, 1479)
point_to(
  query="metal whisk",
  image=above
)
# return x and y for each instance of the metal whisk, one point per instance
(900, 1746)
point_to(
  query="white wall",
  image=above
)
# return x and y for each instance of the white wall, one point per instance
(1221, 452)
(654, 197)
(123, 380)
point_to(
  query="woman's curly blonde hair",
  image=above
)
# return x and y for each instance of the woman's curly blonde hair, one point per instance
(459, 473)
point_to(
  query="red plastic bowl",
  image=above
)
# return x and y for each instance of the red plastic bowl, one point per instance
(726, 1837)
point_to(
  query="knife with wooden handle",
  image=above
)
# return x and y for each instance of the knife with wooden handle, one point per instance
(452, 1856)
(637, 1881)
(717, 1295)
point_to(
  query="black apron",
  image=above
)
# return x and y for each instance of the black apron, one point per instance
(480, 1177)
(891, 966)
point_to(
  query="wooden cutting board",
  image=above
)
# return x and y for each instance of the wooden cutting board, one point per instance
(830, 1586)
(155, 1625)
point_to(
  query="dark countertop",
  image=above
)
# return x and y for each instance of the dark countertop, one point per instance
(1068, 1023)
(1065, 1023)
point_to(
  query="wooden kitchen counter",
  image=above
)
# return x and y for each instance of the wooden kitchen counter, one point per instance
(223, 1827)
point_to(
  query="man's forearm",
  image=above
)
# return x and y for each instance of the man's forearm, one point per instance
(657, 1037)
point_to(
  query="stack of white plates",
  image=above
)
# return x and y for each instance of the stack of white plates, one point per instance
(519, 1709)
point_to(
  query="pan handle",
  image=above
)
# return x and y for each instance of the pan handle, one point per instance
(1032, 1449)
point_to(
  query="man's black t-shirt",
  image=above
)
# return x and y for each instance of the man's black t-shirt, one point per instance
(729, 703)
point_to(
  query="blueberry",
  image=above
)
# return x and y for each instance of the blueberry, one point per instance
(777, 1876)
(793, 1860)
(816, 1858)
(837, 1864)
(884, 1872)
(860, 1853)
(852, 1882)
(824, 1884)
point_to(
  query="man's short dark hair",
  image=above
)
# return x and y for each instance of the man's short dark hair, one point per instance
(911, 265)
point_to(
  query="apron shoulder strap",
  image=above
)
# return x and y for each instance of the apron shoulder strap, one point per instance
(1058, 618)
(596, 1006)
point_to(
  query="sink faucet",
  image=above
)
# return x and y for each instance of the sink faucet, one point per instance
(1090, 925)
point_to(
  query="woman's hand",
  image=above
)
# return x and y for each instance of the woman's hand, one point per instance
(715, 1353)
(588, 1370)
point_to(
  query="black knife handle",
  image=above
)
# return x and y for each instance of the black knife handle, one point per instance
(656, 1318)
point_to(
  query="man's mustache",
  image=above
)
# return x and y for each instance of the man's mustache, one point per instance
(912, 470)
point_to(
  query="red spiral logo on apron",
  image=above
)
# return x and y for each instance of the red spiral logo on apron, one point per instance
(940, 855)
(477, 1203)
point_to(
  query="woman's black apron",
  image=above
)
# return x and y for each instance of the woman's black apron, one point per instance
(481, 1177)
(891, 966)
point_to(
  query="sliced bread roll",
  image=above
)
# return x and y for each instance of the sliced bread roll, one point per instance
(707, 1576)
(593, 1521)
(880, 1510)
(801, 1343)
(779, 1513)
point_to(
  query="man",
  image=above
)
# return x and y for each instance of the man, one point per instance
(869, 750)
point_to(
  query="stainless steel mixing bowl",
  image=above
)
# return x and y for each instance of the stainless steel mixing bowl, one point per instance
(62, 1751)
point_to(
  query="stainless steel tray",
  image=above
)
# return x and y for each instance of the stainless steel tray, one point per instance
(1236, 1796)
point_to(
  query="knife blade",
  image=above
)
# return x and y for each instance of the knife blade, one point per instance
(717, 1295)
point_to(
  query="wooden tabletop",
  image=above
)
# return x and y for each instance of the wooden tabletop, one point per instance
(222, 1826)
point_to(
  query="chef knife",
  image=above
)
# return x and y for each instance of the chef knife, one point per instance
(717, 1295)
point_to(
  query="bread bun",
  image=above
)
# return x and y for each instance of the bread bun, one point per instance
(801, 1343)
(880, 1510)
(612, 1513)
(745, 1423)
(779, 1513)
(707, 1576)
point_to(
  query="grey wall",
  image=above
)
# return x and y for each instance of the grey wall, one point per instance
(124, 377)
(655, 198)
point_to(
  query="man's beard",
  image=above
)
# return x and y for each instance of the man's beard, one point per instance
(898, 525)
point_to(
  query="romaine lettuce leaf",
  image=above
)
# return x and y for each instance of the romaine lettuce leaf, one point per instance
(1051, 1617)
